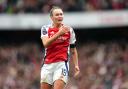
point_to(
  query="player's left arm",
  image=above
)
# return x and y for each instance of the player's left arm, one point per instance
(73, 51)
(74, 56)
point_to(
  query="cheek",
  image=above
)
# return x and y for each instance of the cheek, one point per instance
(60, 18)
(55, 18)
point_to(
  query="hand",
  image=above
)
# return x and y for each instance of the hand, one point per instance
(64, 29)
(77, 71)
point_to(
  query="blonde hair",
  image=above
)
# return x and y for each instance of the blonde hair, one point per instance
(53, 8)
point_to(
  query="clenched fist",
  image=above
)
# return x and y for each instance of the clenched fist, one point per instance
(64, 29)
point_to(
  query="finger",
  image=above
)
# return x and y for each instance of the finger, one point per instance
(76, 74)
(66, 27)
(77, 68)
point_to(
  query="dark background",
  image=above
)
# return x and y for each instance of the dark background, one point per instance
(19, 36)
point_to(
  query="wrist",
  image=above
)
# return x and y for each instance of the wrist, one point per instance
(58, 34)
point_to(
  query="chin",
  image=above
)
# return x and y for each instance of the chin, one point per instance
(59, 22)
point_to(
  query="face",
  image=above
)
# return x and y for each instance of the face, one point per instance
(57, 16)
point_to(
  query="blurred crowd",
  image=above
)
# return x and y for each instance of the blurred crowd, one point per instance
(102, 65)
(20, 66)
(43, 6)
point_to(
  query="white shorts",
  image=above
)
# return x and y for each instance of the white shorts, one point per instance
(54, 71)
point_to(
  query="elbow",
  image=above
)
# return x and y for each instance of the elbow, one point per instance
(45, 45)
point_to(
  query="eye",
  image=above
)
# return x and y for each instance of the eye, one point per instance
(57, 14)
(61, 13)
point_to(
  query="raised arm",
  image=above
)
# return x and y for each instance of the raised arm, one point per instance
(48, 40)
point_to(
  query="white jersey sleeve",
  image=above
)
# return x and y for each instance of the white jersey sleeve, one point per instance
(44, 30)
(72, 36)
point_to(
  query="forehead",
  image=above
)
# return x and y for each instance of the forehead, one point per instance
(57, 11)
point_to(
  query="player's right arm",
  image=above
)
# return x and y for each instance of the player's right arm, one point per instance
(48, 40)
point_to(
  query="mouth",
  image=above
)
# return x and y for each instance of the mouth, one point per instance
(60, 19)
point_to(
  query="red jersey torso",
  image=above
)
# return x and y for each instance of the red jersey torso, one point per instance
(57, 51)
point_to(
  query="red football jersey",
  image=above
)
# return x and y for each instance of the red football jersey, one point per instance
(59, 49)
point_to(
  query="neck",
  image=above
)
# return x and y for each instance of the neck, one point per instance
(57, 25)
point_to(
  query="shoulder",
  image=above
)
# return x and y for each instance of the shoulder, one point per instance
(44, 29)
(71, 29)
(45, 26)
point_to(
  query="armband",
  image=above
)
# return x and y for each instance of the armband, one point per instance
(72, 45)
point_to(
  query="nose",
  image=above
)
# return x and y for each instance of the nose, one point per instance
(60, 16)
